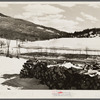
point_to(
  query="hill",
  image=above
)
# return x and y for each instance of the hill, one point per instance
(87, 33)
(12, 28)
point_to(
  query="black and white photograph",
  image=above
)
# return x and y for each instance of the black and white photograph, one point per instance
(49, 46)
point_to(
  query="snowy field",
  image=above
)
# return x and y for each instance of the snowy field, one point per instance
(9, 66)
(79, 44)
(71, 43)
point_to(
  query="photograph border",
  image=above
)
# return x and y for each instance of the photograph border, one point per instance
(67, 94)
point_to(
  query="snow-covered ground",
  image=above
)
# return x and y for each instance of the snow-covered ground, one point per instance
(9, 66)
(82, 44)
(72, 43)
(14, 65)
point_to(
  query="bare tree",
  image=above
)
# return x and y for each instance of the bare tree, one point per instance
(2, 43)
(86, 52)
(18, 48)
(8, 46)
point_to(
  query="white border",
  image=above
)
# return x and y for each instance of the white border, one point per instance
(40, 94)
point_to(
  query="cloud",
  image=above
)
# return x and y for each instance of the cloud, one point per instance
(57, 22)
(89, 17)
(67, 4)
(3, 5)
(24, 15)
(94, 5)
(65, 25)
(79, 19)
(43, 14)
(40, 9)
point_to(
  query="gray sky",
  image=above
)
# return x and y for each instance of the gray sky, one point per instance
(66, 16)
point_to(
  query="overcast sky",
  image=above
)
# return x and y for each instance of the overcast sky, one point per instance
(66, 16)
